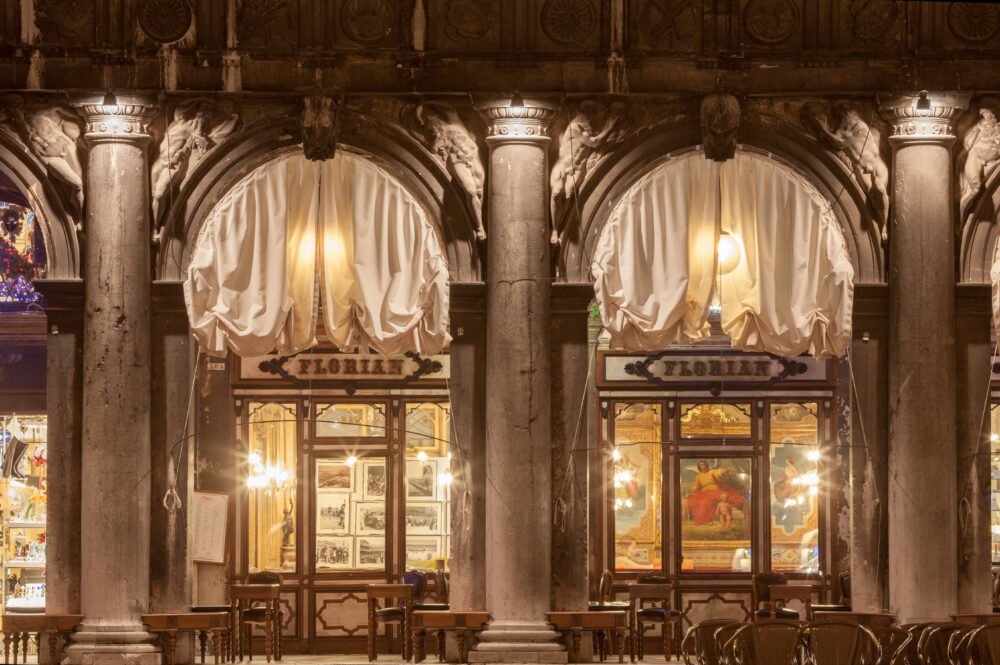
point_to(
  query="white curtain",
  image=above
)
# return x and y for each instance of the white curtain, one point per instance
(655, 266)
(382, 276)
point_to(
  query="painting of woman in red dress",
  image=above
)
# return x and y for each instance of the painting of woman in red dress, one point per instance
(709, 487)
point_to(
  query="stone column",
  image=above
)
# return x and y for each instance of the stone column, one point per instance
(923, 571)
(116, 389)
(974, 364)
(518, 379)
(64, 400)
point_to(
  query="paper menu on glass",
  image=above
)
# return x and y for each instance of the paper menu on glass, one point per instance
(209, 518)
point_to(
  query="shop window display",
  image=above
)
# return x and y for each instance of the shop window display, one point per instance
(716, 513)
(715, 421)
(271, 457)
(637, 486)
(794, 475)
(351, 421)
(23, 486)
(427, 485)
(351, 516)
(995, 480)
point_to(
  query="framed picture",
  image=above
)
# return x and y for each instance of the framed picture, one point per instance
(423, 548)
(369, 517)
(373, 479)
(334, 476)
(334, 552)
(424, 518)
(370, 552)
(333, 512)
(421, 479)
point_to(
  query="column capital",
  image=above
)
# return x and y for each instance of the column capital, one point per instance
(924, 116)
(517, 120)
(126, 121)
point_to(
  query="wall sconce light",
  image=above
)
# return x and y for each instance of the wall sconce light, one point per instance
(730, 252)
(923, 104)
(110, 99)
(516, 101)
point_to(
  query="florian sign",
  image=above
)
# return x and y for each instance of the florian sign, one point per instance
(679, 369)
(354, 367)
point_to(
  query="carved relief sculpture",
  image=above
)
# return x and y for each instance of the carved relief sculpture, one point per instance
(69, 22)
(439, 128)
(720, 122)
(267, 24)
(981, 154)
(53, 136)
(197, 126)
(368, 21)
(568, 22)
(858, 146)
(588, 137)
(319, 128)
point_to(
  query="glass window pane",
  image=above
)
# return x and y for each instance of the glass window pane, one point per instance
(271, 483)
(637, 486)
(794, 487)
(427, 485)
(995, 479)
(23, 488)
(715, 514)
(351, 517)
(715, 421)
(350, 421)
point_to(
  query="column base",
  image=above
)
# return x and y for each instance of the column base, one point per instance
(112, 645)
(518, 642)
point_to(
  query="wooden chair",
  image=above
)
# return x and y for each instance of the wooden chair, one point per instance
(958, 647)
(766, 642)
(984, 644)
(910, 655)
(400, 602)
(705, 643)
(894, 642)
(839, 643)
(606, 603)
(660, 594)
(844, 583)
(932, 648)
(760, 592)
(267, 616)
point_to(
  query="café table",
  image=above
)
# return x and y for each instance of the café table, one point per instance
(872, 620)
(577, 622)
(976, 619)
(201, 623)
(445, 620)
(17, 627)
(243, 597)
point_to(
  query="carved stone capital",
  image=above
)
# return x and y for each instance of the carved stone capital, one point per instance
(126, 121)
(923, 118)
(529, 122)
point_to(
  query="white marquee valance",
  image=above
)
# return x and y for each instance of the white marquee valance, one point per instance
(656, 267)
(294, 232)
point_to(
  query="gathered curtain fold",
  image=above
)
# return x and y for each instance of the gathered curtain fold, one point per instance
(657, 272)
(294, 233)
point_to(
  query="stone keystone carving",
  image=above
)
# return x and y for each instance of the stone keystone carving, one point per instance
(857, 145)
(53, 136)
(439, 128)
(592, 131)
(720, 122)
(197, 126)
(981, 154)
(320, 123)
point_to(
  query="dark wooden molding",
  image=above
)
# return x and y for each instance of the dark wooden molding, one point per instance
(871, 300)
(62, 296)
(467, 298)
(974, 300)
(572, 299)
(168, 298)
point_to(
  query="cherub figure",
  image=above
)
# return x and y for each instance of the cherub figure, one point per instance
(982, 152)
(724, 511)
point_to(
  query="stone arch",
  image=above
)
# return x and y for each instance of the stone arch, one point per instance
(979, 234)
(613, 176)
(59, 229)
(256, 144)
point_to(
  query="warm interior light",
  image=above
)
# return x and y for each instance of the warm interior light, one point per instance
(616, 454)
(422, 456)
(730, 252)
(110, 99)
(813, 455)
(445, 478)
(517, 101)
(923, 104)
(351, 460)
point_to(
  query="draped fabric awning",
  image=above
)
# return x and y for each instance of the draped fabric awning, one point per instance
(294, 232)
(656, 267)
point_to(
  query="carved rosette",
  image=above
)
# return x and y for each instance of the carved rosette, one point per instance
(128, 121)
(910, 123)
(521, 123)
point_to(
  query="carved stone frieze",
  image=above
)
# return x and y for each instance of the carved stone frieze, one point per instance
(569, 22)
(518, 122)
(668, 23)
(471, 19)
(196, 126)
(979, 157)
(53, 135)
(720, 123)
(69, 22)
(771, 22)
(368, 21)
(320, 123)
(974, 22)
(439, 128)
(858, 144)
(272, 24)
(164, 21)
(875, 21)
(591, 133)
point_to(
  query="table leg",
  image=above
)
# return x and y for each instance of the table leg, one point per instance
(268, 634)
(53, 643)
(407, 632)
(235, 632)
(620, 634)
(203, 641)
(24, 649)
(632, 645)
(577, 637)
(460, 639)
(278, 628)
(216, 647)
(441, 642)
(6, 647)
(371, 630)
(246, 635)
(419, 637)
(171, 647)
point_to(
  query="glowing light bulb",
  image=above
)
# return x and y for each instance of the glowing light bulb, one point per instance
(616, 454)
(730, 252)
(445, 478)
(254, 458)
(628, 503)
(994, 437)
(813, 455)
(351, 460)
(422, 456)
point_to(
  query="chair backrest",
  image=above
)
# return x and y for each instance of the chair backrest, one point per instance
(984, 644)
(604, 588)
(418, 580)
(958, 646)
(836, 642)
(996, 588)
(761, 589)
(932, 648)
(654, 578)
(440, 586)
(911, 655)
(264, 577)
(894, 642)
(845, 588)
(701, 638)
(773, 642)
